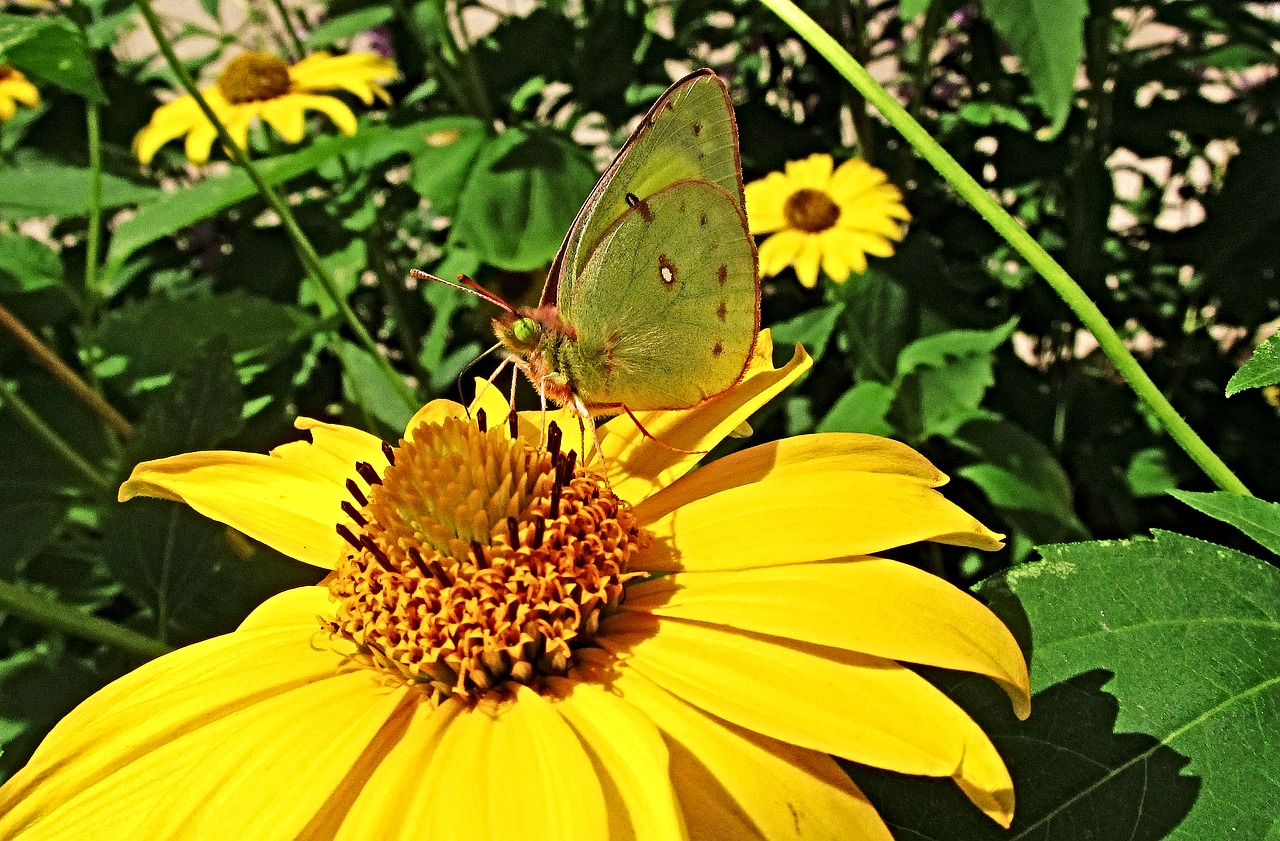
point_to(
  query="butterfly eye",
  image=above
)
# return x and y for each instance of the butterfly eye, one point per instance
(526, 331)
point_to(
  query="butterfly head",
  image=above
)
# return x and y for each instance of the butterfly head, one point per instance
(524, 330)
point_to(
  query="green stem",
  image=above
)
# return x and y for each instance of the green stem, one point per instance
(1061, 282)
(19, 601)
(306, 251)
(299, 51)
(31, 419)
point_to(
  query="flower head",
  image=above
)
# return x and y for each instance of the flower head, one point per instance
(255, 84)
(15, 88)
(510, 646)
(822, 218)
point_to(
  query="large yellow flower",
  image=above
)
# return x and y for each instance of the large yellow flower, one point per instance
(261, 85)
(819, 217)
(15, 88)
(476, 671)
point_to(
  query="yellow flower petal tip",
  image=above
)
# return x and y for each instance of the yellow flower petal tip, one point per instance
(490, 650)
(256, 85)
(820, 219)
(15, 89)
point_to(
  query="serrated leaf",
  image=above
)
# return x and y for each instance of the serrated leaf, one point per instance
(523, 193)
(863, 408)
(1048, 36)
(50, 50)
(41, 187)
(941, 349)
(1150, 474)
(1262, 369)
(27, 265)
(144, 342)
(1156, 700)
(1255, 517)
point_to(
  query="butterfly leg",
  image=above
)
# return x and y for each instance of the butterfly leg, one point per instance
(647, 434)
(585, 422)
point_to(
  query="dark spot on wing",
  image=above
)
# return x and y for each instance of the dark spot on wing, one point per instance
(722, 274)
(702, 220)
(670, 106)
(641, 206)
(632, 200)
(722, 311)
(697, 128)
(717, 350)
(666, 271)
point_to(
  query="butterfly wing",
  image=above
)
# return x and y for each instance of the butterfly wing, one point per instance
(689, 132)
(666, 308)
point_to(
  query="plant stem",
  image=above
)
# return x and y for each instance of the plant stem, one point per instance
(52, 363)
(1061, 282)
(31, 419)
(306, 251)
(51, 614)
(299, 51)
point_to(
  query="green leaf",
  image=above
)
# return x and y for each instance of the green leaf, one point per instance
(337, 28)
(143, 342)
(863, 408)
(944, 377)
(175, 211)
(1262, 369)
(912, 9)
(1156, 702)
(50, 50)
(364, 385)
(443, 162)
(27, 265)
(812, 329)
(1150, 474)
(40, 187)
(942, 349)
(1048, 37)
(522, 196)
(1255, 517)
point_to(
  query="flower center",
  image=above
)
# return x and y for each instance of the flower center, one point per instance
(477, 560)
(811, 211)
(5, 71)
(252, 77)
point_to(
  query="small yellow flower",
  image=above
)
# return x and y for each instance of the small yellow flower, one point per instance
(819, 217)
(261, 85)
(510, 647)
(15, 88)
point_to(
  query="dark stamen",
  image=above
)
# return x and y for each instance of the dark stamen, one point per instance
(366, 471)
(556, 486)
(345, 534)
(355, 515)
(538, 529)
(553, 440)
(513, 424)
(416, 557)
(513, 532)
(376, 551)
(482, 421)
(567, 466)
(356, 493)
(478, 551)
(390, 452)
(438, 572)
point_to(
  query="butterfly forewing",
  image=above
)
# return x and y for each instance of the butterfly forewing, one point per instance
(689, 133)
(666, 307)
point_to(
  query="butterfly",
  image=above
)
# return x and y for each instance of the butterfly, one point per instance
(653, 301)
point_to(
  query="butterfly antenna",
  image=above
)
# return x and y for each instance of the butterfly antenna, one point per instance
(647, 434)
(467, 285)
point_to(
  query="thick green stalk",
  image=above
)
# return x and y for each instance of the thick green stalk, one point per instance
(60, 617)
(306, 251)
(1061, 282)
(31, 419)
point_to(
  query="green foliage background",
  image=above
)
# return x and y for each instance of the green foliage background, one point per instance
(1136, 141)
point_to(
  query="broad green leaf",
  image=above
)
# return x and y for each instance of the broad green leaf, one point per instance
(50, 50)
(175, 211)
(1255, 517)
(1262, 369)
(812, 329)
(863, 408)
(143, 342)
(1155, 668)
(442, 163)
(364, 385)
(879, 322)
(1048, 36)
(27, 265)
(944, 377)
(1150, 474)
(523, 193)
(912, 9)
(337, 28)
(941, 349)
(39, 187)
(31, 517)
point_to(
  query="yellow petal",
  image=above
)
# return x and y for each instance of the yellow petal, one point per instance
(736, 784)
(7, 107)
(297, 608)
(872, 605)
(854, 177)
(284, 114)
(169, 122)
(807, 261)
(639, 466)
(353, 72)
(17, 87)
(866, 709)
(435, 412)
(333, 449)
(279, 501)
(631, 760)
(191, 745)
(780, 250)
(766, 200)
(814, 172)
(508, 771)
(200, 142)
(837, 262)
(842, 509)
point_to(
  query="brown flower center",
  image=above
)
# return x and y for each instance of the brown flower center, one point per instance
(477, 560)
(253, 77)
(6, 71)
(811, 211)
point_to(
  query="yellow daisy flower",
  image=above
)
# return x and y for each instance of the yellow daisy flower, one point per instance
(819, 217)
(15, 88)
(509, 647)
(261, 85)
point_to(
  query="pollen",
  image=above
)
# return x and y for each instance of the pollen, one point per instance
(253, 77)
(811, 211)
(476, 560)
